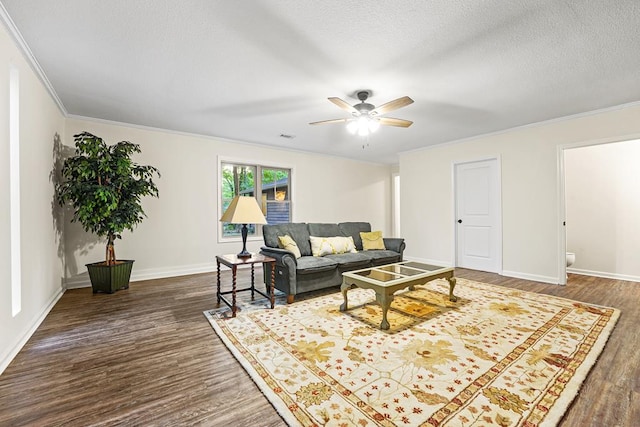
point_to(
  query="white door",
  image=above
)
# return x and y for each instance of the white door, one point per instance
(478, 215)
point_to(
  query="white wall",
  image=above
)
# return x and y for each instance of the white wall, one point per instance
(40, 121)
(180, 234)
(602, 185)
(530, 210)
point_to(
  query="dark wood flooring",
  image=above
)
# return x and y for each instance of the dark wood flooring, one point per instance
(147, 356)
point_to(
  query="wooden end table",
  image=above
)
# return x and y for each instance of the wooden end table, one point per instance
(232, 261)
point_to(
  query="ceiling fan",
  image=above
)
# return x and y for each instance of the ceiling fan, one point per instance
(366, 117)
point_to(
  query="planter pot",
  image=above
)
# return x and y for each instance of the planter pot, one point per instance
(110, 278)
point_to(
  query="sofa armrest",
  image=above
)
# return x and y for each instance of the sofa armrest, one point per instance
(282, 256)
(286, 265)
(395, 244)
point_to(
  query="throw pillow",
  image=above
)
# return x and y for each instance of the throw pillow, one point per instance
(321, 246)
(372, 240)
(287, 243)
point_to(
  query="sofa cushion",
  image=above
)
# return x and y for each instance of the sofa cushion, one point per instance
(379, 257)
(353, 229)
(299, 232)
(314, 264)
(372, 240)
(351, 261)
(286, 242)
(321, 246)
(324, 230)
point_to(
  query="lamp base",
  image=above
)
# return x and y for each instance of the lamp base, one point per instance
(244, 254)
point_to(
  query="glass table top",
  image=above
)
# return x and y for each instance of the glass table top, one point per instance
(392, 272)
(425, 267)
(379, 275)
(401, 269)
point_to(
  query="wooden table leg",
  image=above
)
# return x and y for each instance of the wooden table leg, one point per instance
(273, 284)
(452, 284)
(344, 288)
(233, 292)
(385, 302)
(218, 293)
(252, 283)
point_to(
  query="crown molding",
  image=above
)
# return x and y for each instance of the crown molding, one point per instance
(221, 139)
(29, 57)
(533, 125)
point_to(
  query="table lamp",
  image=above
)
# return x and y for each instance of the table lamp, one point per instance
(244, 210)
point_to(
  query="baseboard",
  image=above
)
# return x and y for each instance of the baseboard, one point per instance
(603, 274)
(532, 277)
(154, 273)
(79, 281)
(82, 280)
(7, 357)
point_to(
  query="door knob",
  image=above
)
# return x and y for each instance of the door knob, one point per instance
(459, 221)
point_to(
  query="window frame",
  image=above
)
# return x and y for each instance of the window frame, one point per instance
(259, 165)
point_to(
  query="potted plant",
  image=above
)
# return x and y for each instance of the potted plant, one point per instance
(104, 187)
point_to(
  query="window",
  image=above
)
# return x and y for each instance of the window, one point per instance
(271, 186)
(275, 195)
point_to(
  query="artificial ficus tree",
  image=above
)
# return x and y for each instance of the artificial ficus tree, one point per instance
(105, 187)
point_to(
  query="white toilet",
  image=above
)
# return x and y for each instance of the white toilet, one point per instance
(571, 258)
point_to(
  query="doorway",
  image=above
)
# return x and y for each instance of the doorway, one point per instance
(478, 218)
(599, 181)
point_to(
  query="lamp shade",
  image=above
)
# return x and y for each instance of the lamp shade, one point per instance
(243, 210)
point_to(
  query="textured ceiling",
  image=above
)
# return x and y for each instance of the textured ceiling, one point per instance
(253, 70)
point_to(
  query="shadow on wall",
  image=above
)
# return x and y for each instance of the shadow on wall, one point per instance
(70, 235)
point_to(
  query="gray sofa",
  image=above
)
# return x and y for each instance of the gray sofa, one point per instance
(308, 273)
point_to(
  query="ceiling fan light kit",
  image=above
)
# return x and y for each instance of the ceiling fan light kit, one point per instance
(363, 125)
(366, 118)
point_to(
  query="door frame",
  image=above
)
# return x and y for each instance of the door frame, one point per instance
(562, 216)
(395, 205)
(498, 202)
(562, 208)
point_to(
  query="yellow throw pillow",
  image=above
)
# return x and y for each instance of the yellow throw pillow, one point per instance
(321, 246)
(372, 240)
(286, 242)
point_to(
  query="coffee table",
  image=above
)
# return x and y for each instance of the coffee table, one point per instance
(385, 280)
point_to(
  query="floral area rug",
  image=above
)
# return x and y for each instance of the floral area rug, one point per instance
(497, 356)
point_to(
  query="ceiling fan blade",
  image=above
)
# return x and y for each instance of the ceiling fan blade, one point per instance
(343, 104)
(392, 105)
(322, 122)
(389, 121)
